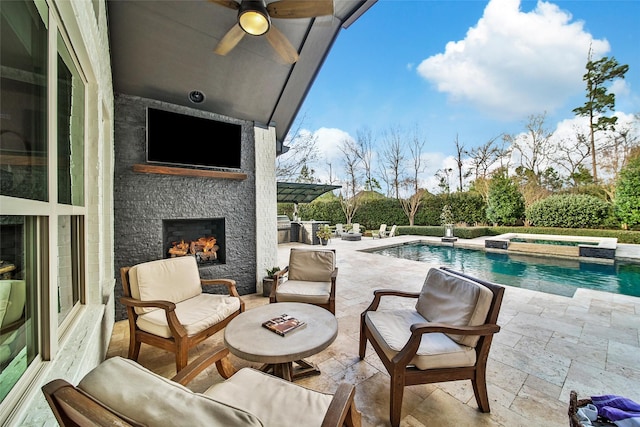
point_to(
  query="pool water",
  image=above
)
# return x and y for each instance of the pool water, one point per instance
(558, 276)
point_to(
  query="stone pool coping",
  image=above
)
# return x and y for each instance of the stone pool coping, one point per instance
(595, 248)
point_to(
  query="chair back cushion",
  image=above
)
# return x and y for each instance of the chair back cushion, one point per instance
(133, 392)
(311, 265)
(171, 279)
(448, 298)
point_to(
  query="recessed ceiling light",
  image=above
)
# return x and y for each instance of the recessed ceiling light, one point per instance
(196, 97)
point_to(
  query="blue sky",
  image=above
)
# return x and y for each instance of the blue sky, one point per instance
(475, 69)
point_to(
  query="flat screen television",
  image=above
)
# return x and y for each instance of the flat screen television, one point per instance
(183, 140)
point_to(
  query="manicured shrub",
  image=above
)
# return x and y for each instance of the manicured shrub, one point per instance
(569, 211)
(627, 201)
(506, 204)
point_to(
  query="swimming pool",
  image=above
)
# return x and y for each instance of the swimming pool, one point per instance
(558, 276)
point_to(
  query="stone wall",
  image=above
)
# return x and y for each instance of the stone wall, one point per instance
(142, 201)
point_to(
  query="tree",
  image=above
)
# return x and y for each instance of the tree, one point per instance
(599, 100)
(627, 201)
(483, 157)
(460, 151)
(410, 205)
(505, 205)
(365, 152)
(303, 151)
(392, 161)
(349, 201)
(533, 146)
(571, 155)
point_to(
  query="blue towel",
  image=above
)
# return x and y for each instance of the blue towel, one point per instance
(619, 410)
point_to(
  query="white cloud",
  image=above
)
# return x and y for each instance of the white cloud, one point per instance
(329, 141)
(514, 63)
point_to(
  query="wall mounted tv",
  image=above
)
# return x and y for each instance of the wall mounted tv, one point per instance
(183, 140)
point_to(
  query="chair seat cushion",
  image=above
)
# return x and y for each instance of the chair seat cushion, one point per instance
(392, 329)
(135, 393)
(448, 298)
(274, 401)
(303, 291)
(195, 314)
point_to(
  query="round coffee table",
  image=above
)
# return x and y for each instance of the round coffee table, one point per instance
(246, 338)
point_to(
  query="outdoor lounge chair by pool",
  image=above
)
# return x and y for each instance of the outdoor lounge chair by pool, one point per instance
(446, 337)
(382, 232)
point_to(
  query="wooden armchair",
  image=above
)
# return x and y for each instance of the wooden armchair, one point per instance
(120, 392)
(311, 278)
(167, 308)
(446, 337)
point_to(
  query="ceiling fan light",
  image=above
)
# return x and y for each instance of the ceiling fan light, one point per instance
(253, 17)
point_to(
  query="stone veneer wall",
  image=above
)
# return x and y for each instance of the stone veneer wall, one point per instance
(142, 201)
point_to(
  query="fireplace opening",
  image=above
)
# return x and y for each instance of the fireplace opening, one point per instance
(203, 238)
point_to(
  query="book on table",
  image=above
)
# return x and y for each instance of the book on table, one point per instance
(283, 324)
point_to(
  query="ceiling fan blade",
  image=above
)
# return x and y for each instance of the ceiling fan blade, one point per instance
(231, 4)
(230, 40)
(282, 45)
(300, 8)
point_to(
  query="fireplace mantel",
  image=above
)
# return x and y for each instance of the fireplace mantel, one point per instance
(170, 170)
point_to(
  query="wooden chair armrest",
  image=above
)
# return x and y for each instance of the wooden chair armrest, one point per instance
(229, 283)
(426, 328)
(379, 293)
(132, 302)
(276, 282)
(342, 409)
(193, 369)
(334, 274)
(73, 407)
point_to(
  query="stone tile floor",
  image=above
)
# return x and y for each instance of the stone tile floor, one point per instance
(548, 346)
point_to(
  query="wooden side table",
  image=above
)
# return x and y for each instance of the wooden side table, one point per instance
(248, 339)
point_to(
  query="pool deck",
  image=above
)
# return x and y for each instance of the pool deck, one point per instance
(548, 346)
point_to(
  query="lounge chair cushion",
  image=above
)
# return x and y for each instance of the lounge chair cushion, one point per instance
(311, 265)
(195, 314)
(285, 404)
(303, 291)
(173, 279)
(448, 298)
(392, 329)
(135, 393)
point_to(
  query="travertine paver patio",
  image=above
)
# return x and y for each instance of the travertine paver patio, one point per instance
(548, 346)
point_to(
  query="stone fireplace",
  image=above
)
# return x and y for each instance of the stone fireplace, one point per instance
(153, 210)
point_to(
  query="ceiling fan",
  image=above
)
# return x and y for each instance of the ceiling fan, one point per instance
(254, 18)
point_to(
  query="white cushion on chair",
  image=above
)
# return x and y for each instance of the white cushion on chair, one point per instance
(195, 314)
(275, 401)
(392, 329)
(448, 298)
(136, 393)
(303, 291)
(315, 265)
(171, 279)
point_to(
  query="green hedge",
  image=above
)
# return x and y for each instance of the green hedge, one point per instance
(569, 211)
(438, 231)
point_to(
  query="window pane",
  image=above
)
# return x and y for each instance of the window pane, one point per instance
(18, 298)
(70, 130)
(23, 101)
(69, 236)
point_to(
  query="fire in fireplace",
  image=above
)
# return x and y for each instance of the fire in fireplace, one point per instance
(202, 238)
(204, 249)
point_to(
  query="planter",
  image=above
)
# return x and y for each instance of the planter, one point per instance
(324, 242)
(267, 284)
